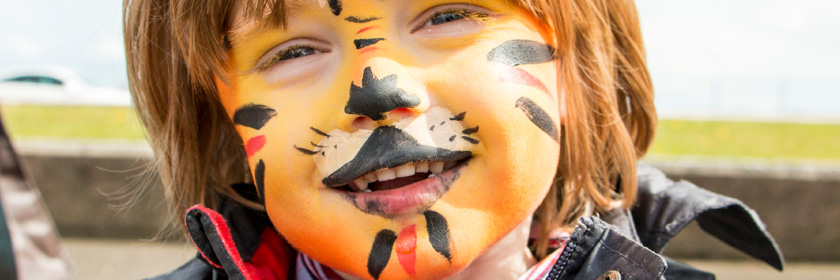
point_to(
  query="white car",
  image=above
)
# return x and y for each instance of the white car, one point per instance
(55, 86)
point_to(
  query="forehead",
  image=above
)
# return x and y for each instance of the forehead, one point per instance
(242, 25)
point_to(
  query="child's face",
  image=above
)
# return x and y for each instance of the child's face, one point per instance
(396, 138)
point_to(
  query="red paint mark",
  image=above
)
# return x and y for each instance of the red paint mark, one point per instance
(367, 49)
(519, 76)
(366, 29)
(254, 145)
(404, 246)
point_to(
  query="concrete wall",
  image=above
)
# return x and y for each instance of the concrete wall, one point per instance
(798, 204)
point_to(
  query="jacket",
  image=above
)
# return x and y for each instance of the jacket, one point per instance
(235, 242)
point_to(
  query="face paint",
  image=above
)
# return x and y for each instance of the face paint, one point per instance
(354, 19)
(405, 246)
(438, 233)
(469, 131)
(518, 52)
(538, 116)
(361, 43)
(380, 253)
(335, 6)
(253, 115)
(377, 96)
(395, 164)
(254, 145)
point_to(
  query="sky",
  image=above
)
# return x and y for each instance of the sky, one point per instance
(751, 58)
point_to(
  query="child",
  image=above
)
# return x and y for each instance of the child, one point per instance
(399, 139)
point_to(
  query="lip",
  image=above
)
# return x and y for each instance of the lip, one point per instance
(410, 199)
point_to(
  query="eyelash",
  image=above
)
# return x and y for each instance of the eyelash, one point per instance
(284, 54)
(460, 12)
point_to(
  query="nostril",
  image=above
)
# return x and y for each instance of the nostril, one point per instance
(364, 123)
(401, 113)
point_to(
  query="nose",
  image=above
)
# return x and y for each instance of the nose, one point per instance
(377, 95)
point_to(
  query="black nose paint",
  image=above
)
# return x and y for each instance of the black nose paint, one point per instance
(259, 177)
(517, 52)
(380, 253)
(538, 116)
(377, 96)
(438, 233)
(253, 115)
(335, 6)
(389, 147)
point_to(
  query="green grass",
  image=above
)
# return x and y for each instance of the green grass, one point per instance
(674, 138)
(748, 139)
(94, 122)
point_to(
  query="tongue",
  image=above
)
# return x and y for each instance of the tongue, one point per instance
(397, 182)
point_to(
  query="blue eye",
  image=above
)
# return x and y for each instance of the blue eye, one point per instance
(444, 17)
(296, 52)
(454, 14)
(288, 54)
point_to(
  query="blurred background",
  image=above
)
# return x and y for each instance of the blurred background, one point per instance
(746, 91)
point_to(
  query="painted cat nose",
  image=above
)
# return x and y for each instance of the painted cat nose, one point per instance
(377, 96)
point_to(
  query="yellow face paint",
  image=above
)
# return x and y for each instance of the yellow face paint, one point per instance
(397, 139)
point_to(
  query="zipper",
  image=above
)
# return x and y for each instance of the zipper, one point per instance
(571, 245)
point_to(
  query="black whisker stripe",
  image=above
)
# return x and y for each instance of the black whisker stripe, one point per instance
(438, 233)
(458, 117)
(316, 145)
(305, 151)
(253, 115)
(319, 132)
(517, 52)
(470, 139)
(380, 252)
(538, 116)
(469, 131)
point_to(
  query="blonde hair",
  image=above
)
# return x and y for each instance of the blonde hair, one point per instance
(175, 51)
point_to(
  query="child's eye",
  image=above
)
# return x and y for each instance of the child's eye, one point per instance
(289, 53)
(450, 14)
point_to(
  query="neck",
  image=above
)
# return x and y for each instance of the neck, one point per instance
(507, 259)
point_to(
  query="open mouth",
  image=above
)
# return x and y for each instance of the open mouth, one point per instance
(393, 174)
(376, 194)
(400, 176)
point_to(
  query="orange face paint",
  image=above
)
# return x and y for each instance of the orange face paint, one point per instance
(379, 151)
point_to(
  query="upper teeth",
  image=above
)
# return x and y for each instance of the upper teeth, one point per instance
(405, 170)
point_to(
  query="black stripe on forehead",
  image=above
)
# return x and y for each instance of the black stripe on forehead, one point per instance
(361, 43)
(253, 115)
(335, 6)
(355, 19)
(517, 52)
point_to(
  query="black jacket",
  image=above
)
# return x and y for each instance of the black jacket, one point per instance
(623, 244)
